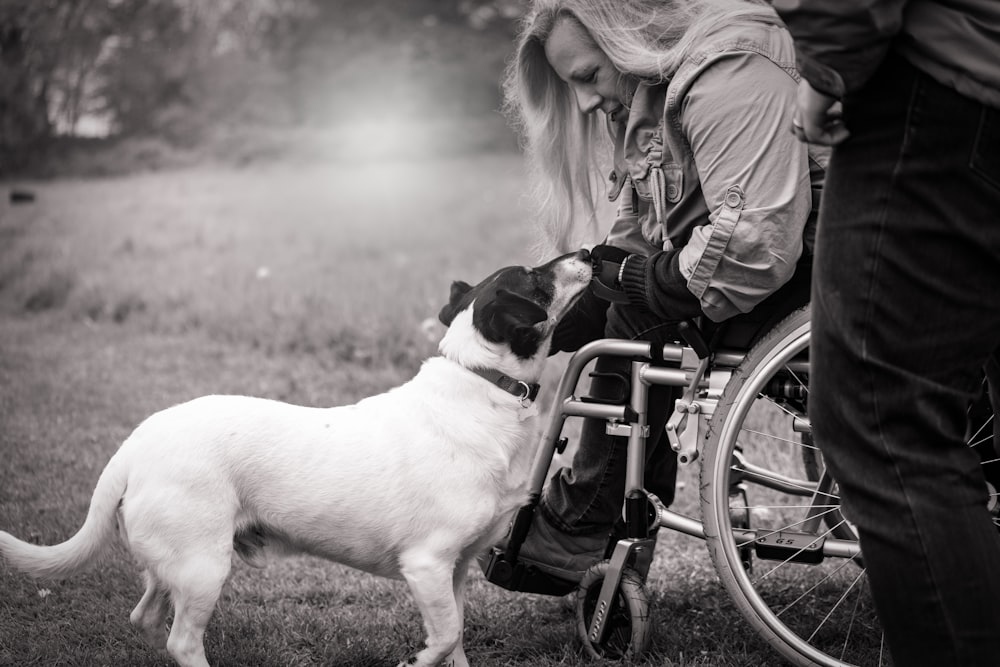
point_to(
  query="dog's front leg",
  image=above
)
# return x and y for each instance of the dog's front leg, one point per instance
(431, 580)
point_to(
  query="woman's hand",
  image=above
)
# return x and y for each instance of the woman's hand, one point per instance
(606, 284)
(818, 118)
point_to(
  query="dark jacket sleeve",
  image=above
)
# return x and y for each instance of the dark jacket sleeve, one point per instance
(840, 43)
(656, 283)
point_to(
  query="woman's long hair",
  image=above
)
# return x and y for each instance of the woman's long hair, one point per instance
(569, 152)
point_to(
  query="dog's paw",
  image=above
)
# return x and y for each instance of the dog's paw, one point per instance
(450, 661)
(415, 661)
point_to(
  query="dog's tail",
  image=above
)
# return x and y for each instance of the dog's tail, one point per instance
(90, 542)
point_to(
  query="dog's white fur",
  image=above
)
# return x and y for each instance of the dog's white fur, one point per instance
(412, 483)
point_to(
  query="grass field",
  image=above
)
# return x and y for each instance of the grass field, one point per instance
(312, 284)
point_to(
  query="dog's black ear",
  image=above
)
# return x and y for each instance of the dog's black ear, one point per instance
(512, 318)
(458, 290)
(518, 310)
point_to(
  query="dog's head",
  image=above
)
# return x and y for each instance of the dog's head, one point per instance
(516, 307)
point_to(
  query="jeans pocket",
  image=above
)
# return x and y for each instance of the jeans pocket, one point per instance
(985, 159)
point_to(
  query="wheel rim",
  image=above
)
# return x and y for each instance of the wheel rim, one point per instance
(822, 612)
(813, 614)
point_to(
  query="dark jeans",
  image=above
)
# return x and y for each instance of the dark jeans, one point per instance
(587, 497)
(906, 314)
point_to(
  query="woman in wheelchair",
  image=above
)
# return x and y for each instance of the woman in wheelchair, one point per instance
(717, 203)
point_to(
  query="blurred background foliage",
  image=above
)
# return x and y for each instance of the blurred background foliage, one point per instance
(114, 86)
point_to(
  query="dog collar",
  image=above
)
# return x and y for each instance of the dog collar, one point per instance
(518, 388)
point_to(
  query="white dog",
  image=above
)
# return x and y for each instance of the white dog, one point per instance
(412, 483)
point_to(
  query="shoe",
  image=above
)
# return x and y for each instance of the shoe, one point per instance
(561, 555)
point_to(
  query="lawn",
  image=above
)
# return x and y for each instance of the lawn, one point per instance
(316, 284)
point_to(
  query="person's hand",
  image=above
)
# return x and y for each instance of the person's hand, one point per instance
(818, 118)
(607, 262)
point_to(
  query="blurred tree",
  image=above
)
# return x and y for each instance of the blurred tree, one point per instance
(29, 52)
(161, 62)
(175, 68)
(132, 63)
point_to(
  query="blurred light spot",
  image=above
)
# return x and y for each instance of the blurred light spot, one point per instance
(386, 137)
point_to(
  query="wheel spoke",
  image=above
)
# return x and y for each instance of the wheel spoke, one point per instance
(776, 481)
(975, 439)
(772, 436)
(834, 608)
(812, 607)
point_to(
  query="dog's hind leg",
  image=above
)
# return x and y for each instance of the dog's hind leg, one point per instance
(195, 581)
(457, 657)
(431, 581)
(150, 615)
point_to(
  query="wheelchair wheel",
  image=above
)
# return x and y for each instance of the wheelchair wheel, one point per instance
(766, 492)
(805, 591)
(628, 627)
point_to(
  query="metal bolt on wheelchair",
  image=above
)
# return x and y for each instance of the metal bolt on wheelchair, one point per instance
(770, 513)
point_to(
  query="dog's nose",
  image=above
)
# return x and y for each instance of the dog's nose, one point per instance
(583, 255)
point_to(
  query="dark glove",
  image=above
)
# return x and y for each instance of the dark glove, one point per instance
(607, 262)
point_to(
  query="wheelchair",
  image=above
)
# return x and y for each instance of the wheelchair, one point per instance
(770, 512)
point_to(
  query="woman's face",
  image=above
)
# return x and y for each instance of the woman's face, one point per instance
(585, 68)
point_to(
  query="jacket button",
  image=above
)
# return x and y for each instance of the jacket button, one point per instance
(733, 199)
(672, 191)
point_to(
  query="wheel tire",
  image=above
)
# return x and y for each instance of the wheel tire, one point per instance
(812, 613)
(628, 631)
(736, 424)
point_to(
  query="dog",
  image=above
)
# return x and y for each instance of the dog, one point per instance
(413, 483)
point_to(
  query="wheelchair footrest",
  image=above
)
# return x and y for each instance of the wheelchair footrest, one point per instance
(790, 546)
(519, 576)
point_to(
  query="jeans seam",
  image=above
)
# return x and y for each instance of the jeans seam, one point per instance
(944, 620)
(601, 485)
(906, 139)
(972, 165)
(876, 254)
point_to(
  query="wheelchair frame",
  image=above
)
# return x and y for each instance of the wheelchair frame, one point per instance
(705, 376)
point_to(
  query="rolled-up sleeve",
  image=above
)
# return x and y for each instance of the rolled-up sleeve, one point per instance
(754, 175)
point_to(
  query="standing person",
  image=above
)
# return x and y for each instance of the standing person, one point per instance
(906, 302)
(689, 102)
